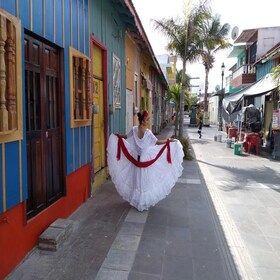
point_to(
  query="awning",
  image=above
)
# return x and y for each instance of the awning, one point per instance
(264, 85)
(233, 103)
(237, 49)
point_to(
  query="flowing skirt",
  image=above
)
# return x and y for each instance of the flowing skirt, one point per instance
(144, 187)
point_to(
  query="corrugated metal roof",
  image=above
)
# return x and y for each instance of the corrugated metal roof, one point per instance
(246, 35)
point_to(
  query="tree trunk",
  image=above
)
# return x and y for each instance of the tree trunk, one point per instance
(176, 123)
(206, 90)
(182, 99)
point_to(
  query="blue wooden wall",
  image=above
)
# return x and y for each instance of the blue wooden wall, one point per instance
(64, 23)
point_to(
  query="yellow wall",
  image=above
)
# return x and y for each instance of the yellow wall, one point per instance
(145, 64)
(130, 62)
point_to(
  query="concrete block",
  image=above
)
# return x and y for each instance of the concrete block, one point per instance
(55, 234)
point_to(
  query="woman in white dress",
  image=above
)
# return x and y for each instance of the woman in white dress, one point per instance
(143, 168)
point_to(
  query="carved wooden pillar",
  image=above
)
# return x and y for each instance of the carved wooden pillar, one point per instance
(3, 109)
(83, 65)
(76, 87)
(88, 93)
(11, 79)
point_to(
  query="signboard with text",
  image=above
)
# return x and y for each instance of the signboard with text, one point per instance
(276, 119)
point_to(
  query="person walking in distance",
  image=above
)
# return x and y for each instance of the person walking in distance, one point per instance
(199, 123)
(143, 168)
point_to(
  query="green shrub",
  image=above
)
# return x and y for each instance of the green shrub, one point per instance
(186, 147)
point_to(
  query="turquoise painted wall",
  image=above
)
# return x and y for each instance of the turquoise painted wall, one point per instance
(263, 69)
(107, 26)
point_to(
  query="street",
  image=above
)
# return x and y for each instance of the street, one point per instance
(220, 222)
(245, 190)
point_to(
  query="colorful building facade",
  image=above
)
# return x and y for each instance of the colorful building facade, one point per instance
(63, 90)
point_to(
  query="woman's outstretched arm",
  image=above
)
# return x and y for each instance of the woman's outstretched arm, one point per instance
(161, 142)
(121, 135)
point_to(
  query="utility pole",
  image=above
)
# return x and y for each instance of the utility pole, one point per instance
(221, 99)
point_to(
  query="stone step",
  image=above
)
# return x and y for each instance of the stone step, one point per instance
(55, 234)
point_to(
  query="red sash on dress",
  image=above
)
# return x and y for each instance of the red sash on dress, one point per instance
(143, 164)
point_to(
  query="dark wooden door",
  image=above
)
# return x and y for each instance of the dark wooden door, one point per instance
(43, 124)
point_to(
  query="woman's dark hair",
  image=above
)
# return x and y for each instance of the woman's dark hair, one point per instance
(142, 115)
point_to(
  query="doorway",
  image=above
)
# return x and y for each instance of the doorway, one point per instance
(44, 118)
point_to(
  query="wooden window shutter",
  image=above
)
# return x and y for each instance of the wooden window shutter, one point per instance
(80, 85)
(10, 78)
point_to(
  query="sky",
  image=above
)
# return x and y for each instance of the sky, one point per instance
(245, 14)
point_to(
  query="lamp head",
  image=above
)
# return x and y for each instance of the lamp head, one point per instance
(223, 67)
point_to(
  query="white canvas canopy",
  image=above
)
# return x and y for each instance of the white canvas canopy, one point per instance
(233, 102)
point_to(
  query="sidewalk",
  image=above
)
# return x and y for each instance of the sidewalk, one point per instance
(245, 190)
(179, 239)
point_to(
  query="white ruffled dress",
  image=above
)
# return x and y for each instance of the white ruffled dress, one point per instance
(144, 187)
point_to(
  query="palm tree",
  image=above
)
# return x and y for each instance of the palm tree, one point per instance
(188, 86)
(182, 35)
(213, 38)
(179, 78)
(174, 95)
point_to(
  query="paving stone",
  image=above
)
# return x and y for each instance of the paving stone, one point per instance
(126, 242)
(119, 260)
(142, 276)
(275, 243)
(178, 233)
(180, 248)
(109, 274)
(177, 268)
(157, 218)
(151, 245)
(264, 259)
(268, 274)
(210, 270)
(206, 251)
(153, 230)
(256, 242)
(148, 263)
(135, 216)
(131, 228)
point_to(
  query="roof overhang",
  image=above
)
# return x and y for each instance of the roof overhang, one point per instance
(237, 49)
(274, 54)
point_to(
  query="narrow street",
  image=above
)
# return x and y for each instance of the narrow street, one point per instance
(245, 190)
(220, 222)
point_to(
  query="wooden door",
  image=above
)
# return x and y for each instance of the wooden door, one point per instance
(43, 103)
(99, 141)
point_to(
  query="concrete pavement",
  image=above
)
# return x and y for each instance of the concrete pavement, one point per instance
(220, 221)
(246, 192)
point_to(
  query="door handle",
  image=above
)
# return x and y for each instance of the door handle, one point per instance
(47, 134)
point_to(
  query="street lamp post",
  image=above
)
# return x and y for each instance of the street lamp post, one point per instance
(221, 99)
